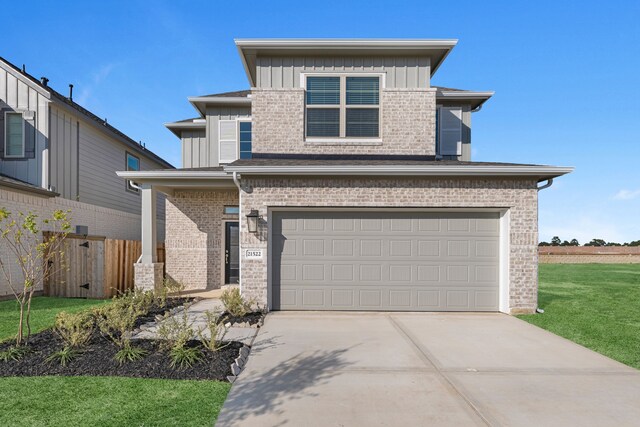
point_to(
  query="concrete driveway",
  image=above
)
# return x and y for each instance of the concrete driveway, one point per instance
(388, 369)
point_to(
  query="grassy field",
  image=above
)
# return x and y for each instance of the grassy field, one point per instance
(43, 313)
(595, 305)
(109, 401)
(99, 401)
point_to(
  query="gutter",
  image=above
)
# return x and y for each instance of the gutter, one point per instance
(547, 185)
(403, 170)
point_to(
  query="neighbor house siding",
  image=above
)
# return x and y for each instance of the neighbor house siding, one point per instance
(520, 196)
(400, 72)
(17, 95)
(214, 115)
(64, 153)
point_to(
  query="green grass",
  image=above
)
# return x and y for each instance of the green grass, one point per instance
(43, 313)
(595, 305)
(109, 401)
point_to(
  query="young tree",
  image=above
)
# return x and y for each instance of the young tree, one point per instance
(33, 256)
(555, 241)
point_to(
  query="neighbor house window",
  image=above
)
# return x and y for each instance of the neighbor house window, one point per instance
(232, 210)
(244, 128)
(342, 107)
(14, 135)
(133, 164)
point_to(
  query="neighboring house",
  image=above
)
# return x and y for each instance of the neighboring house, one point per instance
(54, 154)
(343, 181)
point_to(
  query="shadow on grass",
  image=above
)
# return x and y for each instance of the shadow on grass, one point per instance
(266, 392)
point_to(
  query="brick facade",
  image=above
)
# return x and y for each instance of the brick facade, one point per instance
(518, 195)
(194, 241)
(408, 124)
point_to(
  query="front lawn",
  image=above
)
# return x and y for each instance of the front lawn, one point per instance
(109, 401)
(595, 305)
(43, 313)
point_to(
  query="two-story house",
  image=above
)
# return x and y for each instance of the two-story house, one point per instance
(55, 154)
(343, 180)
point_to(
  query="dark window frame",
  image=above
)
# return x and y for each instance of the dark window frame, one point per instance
(128, 187)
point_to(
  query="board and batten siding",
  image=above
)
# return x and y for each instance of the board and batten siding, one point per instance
(64, 147)
(214, 115)
(17, 95)
(401, 72)
(196, 152)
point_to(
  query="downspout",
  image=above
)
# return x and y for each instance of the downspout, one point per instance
(547, 185)
(542, 187)
(236, 181)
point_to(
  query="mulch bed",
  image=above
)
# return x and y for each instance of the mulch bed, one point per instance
(250, 318)
(98, 358)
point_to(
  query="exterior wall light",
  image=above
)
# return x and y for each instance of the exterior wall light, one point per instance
(252, 221)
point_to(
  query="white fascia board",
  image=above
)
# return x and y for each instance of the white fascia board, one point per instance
(464, 95)
(176, 127)
(345, 43)
(200, 102)
(401, 170)
(173, 174)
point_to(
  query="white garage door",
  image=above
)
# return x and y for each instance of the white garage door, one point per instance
(387, 261)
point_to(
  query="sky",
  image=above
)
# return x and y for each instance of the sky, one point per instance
(565, 75)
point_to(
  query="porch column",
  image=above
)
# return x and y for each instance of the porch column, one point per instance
(149, 227)
(148, 272)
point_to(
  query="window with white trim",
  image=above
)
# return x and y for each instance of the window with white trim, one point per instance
(245, 137)
(133, 164)
(14, 137)
(344, 106)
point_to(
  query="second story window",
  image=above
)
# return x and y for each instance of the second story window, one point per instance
(245, 139)
(14, 137)
(133, 164)
(342, 107)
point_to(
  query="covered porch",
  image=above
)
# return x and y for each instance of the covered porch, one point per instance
(202, 222)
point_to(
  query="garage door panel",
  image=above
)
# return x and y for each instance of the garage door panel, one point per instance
(385, 261)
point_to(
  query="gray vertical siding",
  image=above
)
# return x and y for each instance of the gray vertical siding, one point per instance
(15, 94)
(63, 153)
(401, 72)
(214, 115)
(196, 152)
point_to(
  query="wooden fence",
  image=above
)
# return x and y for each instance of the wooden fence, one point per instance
(95, 267)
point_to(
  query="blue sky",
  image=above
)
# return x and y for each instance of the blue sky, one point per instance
(565, 74)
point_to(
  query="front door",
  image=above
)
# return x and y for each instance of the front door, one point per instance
(231, 253)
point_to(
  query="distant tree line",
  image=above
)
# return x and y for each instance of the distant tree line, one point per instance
(556, 241)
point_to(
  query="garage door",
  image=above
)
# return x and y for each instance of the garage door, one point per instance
(387, 261)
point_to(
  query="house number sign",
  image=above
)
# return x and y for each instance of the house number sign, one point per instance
(254, 254)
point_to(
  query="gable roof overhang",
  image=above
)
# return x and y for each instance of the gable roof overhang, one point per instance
(455, 96)
(200, 102)
(168, 180)
(249, 49)
(189, 124)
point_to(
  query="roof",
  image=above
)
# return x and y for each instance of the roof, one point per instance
(186, 124)
(436, 49)
(122, 137)
(238, 93)
(9, 182)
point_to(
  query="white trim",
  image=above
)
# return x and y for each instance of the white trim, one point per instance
(505, 261)
(354, 73)
(6, 134)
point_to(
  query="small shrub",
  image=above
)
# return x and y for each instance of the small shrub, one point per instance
(169, 287)
(176, 331)
(235, 303)
(74, 329)
(117, 320)
(64, 356)
(14, 353)
(217, 332)
(129, 353)
(184, 357)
